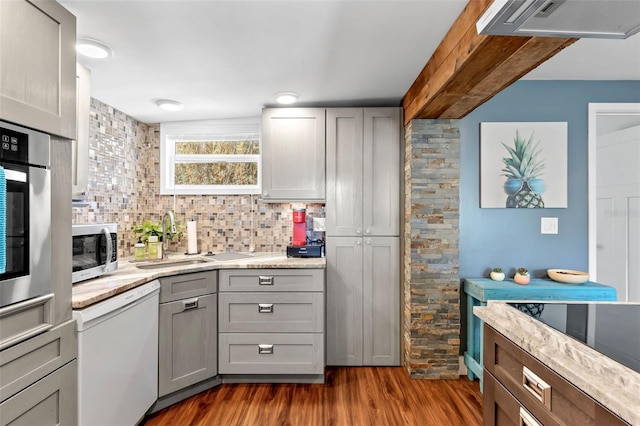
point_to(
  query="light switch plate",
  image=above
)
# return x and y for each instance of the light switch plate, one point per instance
(548, 225)
(319, 224)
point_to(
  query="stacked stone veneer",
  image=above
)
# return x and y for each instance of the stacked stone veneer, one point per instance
(124, 187)
(431, 265)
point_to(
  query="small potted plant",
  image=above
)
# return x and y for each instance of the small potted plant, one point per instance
(497, 274)
(522, 276)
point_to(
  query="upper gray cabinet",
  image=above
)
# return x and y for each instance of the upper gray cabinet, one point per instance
(363, 171)
(37, 66)
(293, 154)
(80, 150)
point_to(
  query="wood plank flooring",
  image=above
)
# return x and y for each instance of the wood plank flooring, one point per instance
(350, 396)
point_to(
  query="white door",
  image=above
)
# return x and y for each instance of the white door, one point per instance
(618, 212)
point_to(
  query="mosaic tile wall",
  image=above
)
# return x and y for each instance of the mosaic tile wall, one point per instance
(124, 187)
(431, 249)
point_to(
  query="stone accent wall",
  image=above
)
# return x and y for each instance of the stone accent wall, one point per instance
(431, 255)
(124, 187)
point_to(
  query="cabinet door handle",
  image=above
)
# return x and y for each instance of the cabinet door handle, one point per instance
(265, 280)
(536, 387)
(190, 304)
(265, 308)
(527, 419)
(367, 231)
(265, 349)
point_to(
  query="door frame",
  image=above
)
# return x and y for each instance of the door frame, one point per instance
(596, 110)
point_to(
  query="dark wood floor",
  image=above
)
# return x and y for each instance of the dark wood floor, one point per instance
(350, 397)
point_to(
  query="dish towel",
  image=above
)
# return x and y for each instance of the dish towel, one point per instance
(3, 221)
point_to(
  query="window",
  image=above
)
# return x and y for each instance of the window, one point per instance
(210, 157)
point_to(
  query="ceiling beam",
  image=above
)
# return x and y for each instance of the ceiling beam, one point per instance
(468, 68)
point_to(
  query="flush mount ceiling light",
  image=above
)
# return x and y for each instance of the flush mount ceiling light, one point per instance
(286, 98)
(169, 105)
(93, 48)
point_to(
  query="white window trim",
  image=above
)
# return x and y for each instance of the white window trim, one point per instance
(206, 130)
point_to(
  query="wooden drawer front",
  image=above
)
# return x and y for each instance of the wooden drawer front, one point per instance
(271, 312)
(271, 353)
(501, 408)
(187, 285)
(272, 280)
(566, 403)
(23, 364)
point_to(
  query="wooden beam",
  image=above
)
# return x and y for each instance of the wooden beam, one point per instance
(469, 68)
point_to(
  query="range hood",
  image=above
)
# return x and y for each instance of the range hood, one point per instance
(562, 18)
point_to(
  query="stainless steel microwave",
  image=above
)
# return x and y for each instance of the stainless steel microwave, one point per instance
(95, 250)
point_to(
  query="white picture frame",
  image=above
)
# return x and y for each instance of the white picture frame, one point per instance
(547, 141)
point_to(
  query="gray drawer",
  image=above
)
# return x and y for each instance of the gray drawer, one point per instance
(271, 312)
(271, 280)
(271, 353)
(184, 286)
(23, 320)
(24, 363)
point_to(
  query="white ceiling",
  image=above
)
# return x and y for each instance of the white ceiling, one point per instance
(226, 59)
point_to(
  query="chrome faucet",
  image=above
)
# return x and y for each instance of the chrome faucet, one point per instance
(165, 240)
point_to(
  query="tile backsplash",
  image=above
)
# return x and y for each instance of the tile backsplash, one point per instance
(124, 187)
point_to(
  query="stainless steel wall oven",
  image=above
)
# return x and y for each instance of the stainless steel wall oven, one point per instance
(24, 155)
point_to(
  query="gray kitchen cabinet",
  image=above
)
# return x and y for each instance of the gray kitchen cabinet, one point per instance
(38, 379)
(363, 301)
(272, 325)
(50, 401)
(80, 148)
(37, 66)
(293, 154)
(363, 171)
(187, 331)
(362, 243)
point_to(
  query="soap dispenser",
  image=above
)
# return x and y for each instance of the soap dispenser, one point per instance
(139, 250)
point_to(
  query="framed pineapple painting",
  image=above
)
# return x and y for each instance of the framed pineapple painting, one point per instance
(523, 165)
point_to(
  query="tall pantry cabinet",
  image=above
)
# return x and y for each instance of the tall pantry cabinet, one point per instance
(362, 236)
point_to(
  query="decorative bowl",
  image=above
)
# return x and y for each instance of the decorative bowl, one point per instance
(568, 276)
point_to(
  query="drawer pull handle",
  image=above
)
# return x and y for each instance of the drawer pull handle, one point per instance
(265, 280)
(265, 308)
(190, 304)
(536, 387)
(527, 419)
(265, 349)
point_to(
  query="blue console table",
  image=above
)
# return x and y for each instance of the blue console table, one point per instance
(479, 290)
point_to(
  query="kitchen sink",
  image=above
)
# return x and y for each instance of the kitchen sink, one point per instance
(229, 255)
(171, 263)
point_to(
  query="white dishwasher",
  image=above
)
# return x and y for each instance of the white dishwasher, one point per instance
(118, 357)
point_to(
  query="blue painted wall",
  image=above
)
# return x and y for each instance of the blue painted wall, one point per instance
(510, 238)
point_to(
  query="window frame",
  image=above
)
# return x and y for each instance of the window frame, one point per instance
(223, 130)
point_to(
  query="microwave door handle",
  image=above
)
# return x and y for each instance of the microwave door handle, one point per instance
(107, 262)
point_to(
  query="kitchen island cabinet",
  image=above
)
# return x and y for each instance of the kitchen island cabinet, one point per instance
(556, 368)
(37, 66)
(293, 155)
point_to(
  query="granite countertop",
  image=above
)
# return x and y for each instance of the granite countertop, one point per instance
(129, 275)
(612, 384)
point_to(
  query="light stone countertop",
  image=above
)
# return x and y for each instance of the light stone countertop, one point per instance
(128, 276)
(612, 384)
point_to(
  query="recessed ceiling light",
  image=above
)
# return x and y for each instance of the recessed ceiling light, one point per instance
(93, 48)
(286, 98)
(169, 105)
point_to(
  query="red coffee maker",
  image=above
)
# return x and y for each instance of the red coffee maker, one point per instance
(299, 227)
